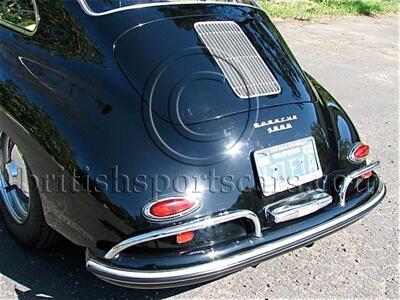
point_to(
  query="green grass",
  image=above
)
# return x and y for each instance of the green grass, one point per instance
(308, 9)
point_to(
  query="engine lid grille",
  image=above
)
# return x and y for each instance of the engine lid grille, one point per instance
(244, 69)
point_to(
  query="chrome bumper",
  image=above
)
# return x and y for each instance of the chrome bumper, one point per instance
(190, 226)
(217, 268)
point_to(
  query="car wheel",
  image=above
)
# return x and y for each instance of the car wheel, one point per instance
(20, 204)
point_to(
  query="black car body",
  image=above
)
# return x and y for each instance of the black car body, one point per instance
(117, 109)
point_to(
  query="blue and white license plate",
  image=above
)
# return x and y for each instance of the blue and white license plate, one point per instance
(288, 165)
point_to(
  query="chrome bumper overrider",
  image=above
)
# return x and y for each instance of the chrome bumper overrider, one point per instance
(220, 267)
(190, 226)
(350, 177)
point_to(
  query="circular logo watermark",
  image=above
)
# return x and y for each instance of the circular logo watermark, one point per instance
(190, 111)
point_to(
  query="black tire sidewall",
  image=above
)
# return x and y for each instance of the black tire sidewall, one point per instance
(27, 232)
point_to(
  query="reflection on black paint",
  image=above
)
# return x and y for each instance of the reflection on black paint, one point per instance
(61, 34)
(342, 127)
(37, 122)
(41, 126)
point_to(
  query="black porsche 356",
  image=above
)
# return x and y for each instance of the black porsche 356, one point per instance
(178, 141)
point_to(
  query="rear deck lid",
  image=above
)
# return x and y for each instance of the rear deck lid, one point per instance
(192, 69)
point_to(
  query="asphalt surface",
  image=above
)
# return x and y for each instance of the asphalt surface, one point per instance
(357, 60)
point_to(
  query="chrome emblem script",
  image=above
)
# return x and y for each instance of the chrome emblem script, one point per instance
(275, 125)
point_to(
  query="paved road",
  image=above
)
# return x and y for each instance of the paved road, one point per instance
(357, 60)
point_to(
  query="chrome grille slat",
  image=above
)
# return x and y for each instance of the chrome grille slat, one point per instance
(244, 69)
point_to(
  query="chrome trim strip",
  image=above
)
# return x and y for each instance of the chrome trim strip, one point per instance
(190, 226)
(152, 278)
(349, 178)
(86, 8)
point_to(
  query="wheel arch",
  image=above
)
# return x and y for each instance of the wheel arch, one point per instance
(43, 166)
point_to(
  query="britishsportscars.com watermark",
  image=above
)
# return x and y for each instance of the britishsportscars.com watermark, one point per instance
(159, 184)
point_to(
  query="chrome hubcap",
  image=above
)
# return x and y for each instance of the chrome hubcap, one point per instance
(14, 185)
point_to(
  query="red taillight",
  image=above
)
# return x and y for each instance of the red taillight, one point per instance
(359, 153)
(184, 237)
(170, 208)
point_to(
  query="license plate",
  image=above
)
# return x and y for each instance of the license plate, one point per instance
(288, 165)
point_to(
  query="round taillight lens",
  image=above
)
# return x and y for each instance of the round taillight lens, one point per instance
(359, 152)
(170, 208)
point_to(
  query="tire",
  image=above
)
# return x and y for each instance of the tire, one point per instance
(20, 204)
